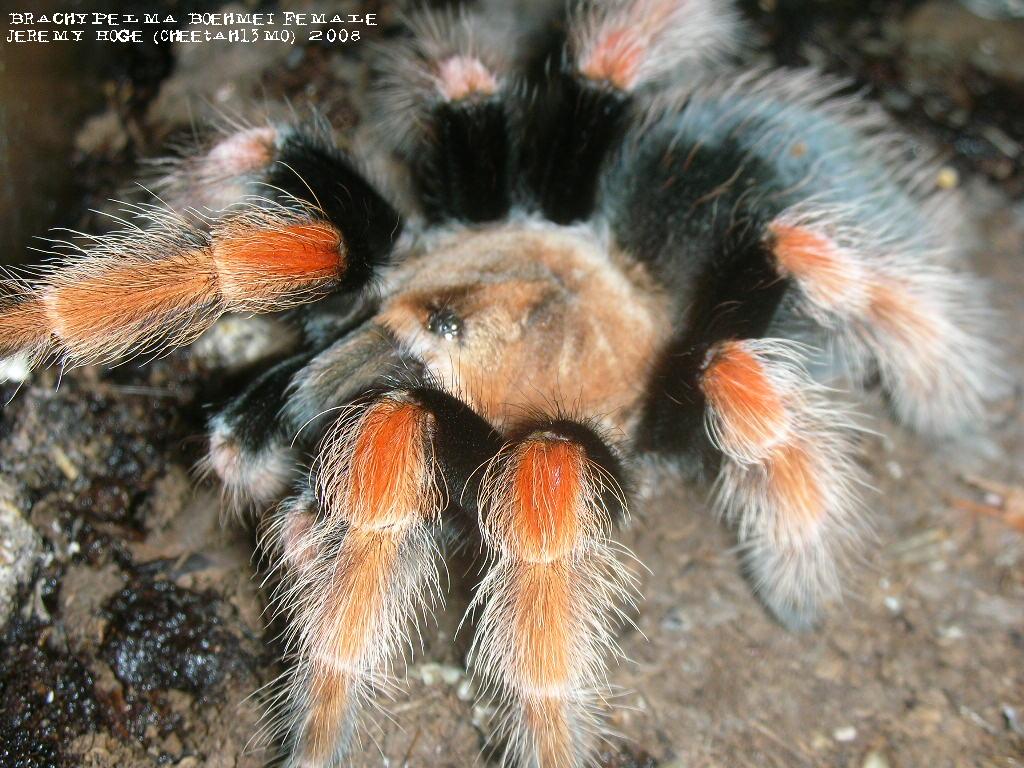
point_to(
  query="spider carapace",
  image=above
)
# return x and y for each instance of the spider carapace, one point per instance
(644, 254)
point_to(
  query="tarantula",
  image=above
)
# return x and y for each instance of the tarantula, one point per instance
(638, 252)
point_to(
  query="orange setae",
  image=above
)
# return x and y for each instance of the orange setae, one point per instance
(23, 324)
(269, 264)
(122, 304)
(548, 486)
(795, 486)
(749, 405)
(388, 470)
(825, 273)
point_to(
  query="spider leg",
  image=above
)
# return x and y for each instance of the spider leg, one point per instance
(632, 43)
(891, 303)
(361, 555)
(552, 594)
(165, 278)
(250, 448)
(218, 173)
(257, 440)
(737, 397)
(446, 93)
(615, 50)
(774, 207)
(282, 162)
(731, 394)
(788, 482)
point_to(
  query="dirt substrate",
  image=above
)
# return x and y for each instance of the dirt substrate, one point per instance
(140, 632)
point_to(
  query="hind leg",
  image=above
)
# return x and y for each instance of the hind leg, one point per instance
(788, 481)
(893, 304)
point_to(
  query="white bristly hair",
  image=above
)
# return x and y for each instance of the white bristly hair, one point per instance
(631, 43)
(548, 607)
(792, 494)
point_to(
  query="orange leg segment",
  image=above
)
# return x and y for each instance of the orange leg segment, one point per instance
(144, 291)
(788, 482)
(550, 598)
(360, 570)
(892, 306)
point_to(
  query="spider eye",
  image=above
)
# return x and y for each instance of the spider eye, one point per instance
(444, 322)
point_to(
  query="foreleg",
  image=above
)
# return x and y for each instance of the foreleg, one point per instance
(361, 556)
(553, 594)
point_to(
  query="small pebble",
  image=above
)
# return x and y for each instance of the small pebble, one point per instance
(952, 632)
(895, 470)
(893, 604)
(845, 734)
(432, 674)
(948, 178)
(64, 464)
(465, 690)
(236, 342)
(676, 620)
(1010, 715)
(20, 549)
(875, 759)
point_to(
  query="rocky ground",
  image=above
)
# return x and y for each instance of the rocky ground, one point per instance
(135, 629)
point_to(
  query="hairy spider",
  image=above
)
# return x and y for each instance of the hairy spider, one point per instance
(640, 252)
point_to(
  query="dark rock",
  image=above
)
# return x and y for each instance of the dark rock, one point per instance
(163, 636)
(47, 698)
